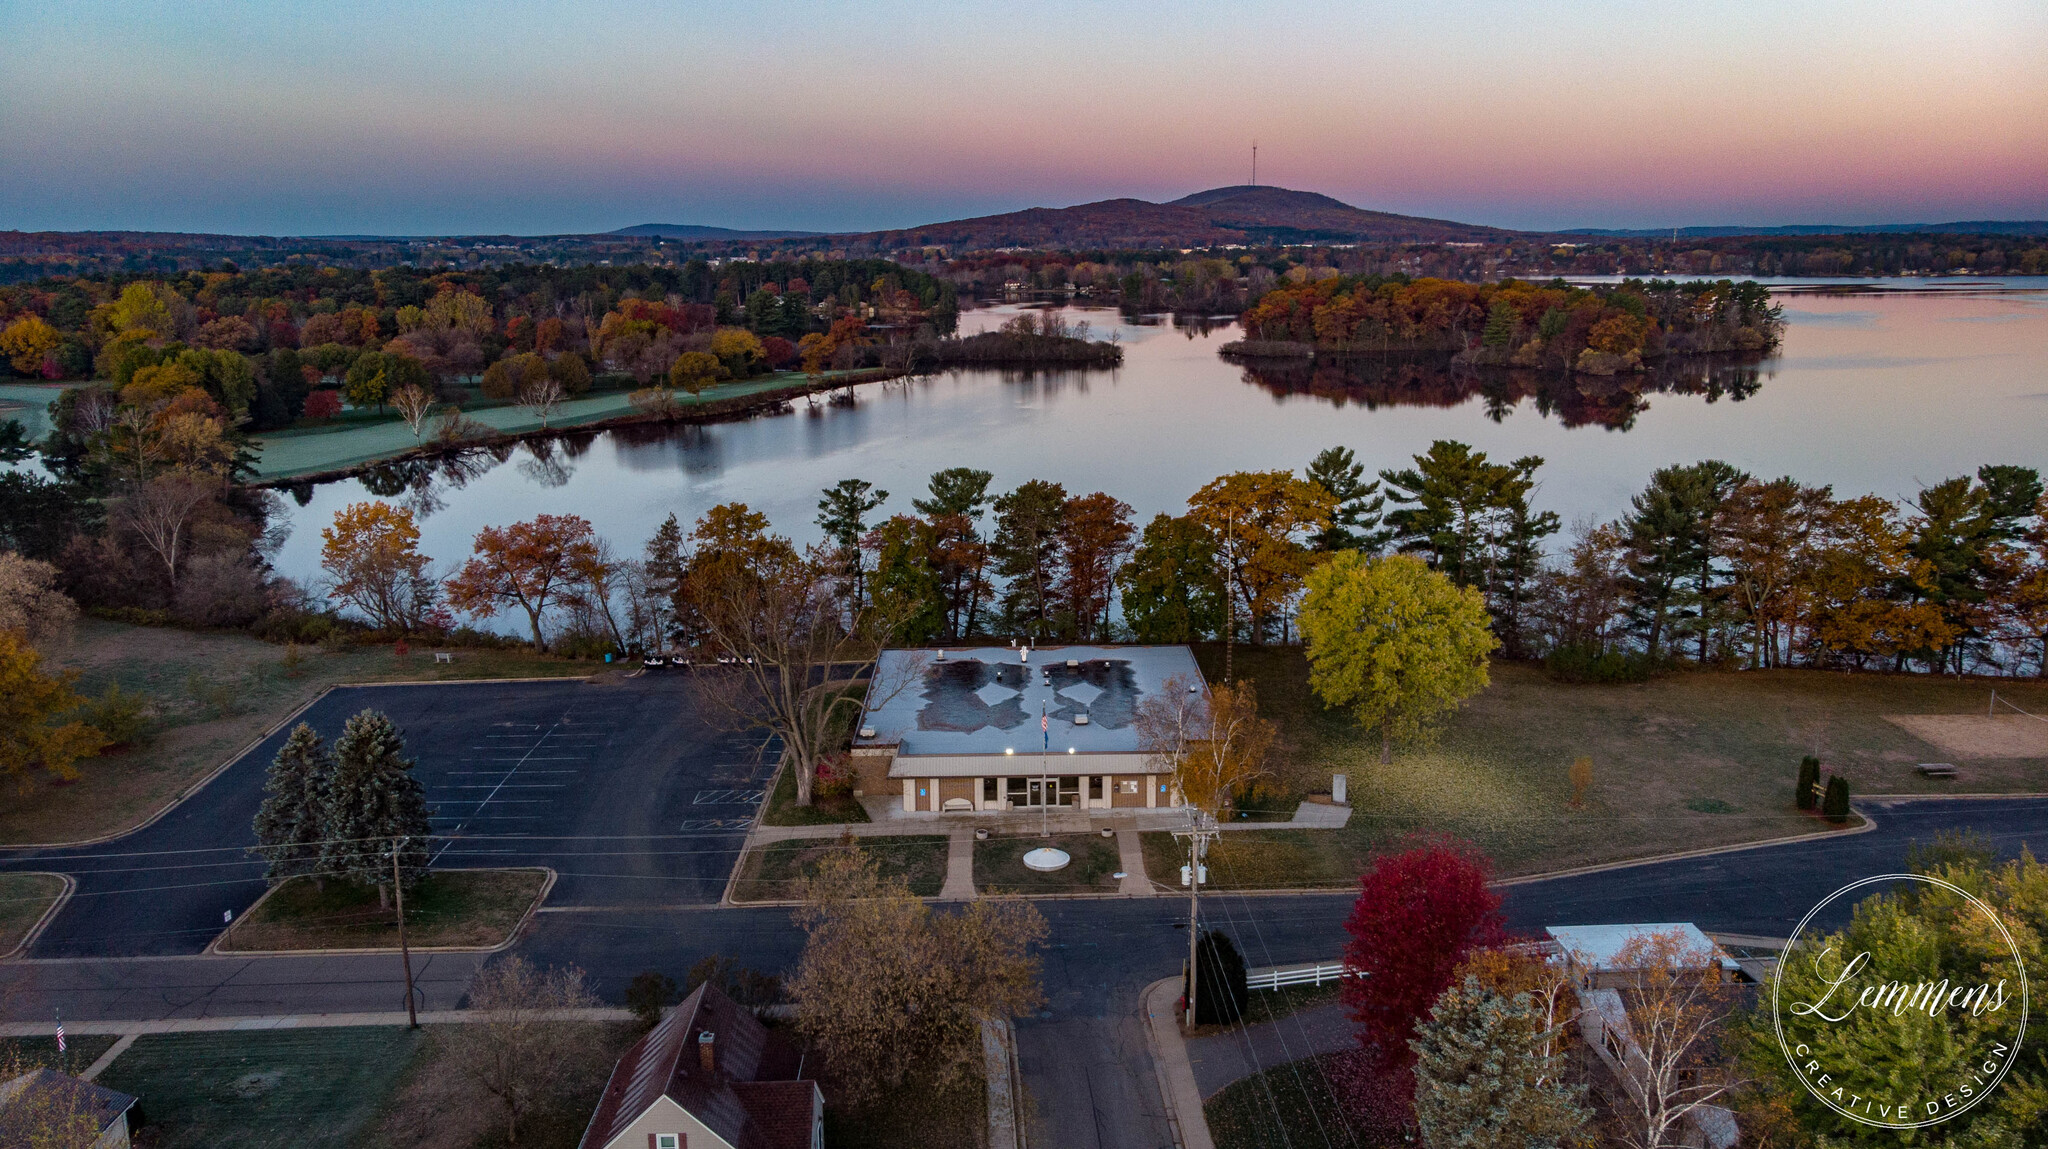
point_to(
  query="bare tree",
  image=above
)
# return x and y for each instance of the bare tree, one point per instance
(160, 512)
(30, 601)
(1211, 739)
(1674, 1000)
(414, 404)
(527, 1036)
(796, 654)
(543, 396)
(893, 994)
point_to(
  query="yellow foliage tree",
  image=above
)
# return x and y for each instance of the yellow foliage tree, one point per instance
(27, 342)
(1262, 521)
(32, 704)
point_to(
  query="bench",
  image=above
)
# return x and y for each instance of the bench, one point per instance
(1937, 769)
(443, 656)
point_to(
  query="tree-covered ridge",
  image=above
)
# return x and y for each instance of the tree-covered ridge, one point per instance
(61, 327)
(1517, 322)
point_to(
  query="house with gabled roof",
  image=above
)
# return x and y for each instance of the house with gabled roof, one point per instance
(710, 1076)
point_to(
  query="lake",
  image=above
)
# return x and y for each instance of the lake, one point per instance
(1879, 393)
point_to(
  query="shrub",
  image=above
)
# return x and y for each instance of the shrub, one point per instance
(650, 992)
(1809, 777)
(291, 625)
(115, 713)
(220, 589)
(1590, 664)
(1836, 805)
(835, 779)
(132, 615)
(1220, 993)
(583, 644)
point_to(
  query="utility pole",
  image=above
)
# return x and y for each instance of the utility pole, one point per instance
(1229, 598)
(1200, 832)
(1255, 163)
(412, 1017)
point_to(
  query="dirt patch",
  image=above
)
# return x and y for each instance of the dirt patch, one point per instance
(1978, 735)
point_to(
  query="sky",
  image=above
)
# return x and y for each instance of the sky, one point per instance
(281, 117)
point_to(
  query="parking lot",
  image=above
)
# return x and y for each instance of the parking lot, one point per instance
(624, 787)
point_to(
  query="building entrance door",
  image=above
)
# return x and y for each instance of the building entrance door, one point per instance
(1038, 789)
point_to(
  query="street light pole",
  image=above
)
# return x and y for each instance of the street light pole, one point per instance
(412, 1017)
(1201, 829)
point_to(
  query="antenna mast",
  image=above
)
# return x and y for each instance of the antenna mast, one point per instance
(1255, 163)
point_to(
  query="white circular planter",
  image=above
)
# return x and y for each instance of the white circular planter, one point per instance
(1046, 859)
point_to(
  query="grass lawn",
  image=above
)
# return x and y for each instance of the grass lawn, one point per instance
(771, 872)
(80, 1050)
(1683, 761)
(23, 900)
(304, 1088)
(915, 1117)
(1268, 1005)
(999, 865)
(783, 810)
(478, 908)
(436, 1106)
(209, 695)
(1286, 1106)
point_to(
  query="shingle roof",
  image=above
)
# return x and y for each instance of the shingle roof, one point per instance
(40, 1094)
(743, 1100)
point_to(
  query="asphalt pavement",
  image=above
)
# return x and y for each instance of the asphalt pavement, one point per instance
(623, 786)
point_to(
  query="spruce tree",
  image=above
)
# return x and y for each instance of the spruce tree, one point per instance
(290, 825)
(373, 800)
(1482, 1079)
(1836, 804)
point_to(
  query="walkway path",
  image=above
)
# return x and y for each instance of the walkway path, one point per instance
(959, 885)
(1131, 857)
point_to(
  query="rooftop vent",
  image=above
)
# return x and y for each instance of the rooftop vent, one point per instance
(1080, 720)
(867, 732)
(942, 656)
(1073, 664)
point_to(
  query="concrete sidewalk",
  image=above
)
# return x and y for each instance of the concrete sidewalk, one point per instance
(295, 1021)
(1170, 1059)
(959, 885)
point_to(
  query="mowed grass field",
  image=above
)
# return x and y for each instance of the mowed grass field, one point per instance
(999, 865)
(24, 898)
(460, 908)
(1684, 761)
(288, 1089)
(774, 871)
(208, 695)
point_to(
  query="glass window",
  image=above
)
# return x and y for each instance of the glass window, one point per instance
(1095, 785)
(668, 1141)
(988, 789)
(1016, 789)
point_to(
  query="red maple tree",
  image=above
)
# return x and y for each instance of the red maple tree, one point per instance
(1419, 912)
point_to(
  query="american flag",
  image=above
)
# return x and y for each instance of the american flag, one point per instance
(60, 1034)
(1045, 725)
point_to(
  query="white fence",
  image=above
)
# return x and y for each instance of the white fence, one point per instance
(1313, 973)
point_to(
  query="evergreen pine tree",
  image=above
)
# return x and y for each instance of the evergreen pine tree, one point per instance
(1501, 324)
(290, 825)
(373, 800)
(1355, 525)
(1482, 1080)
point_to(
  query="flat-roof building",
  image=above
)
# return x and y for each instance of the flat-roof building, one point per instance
(994, 728)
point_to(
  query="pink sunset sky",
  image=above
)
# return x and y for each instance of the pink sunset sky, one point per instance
(529, 118)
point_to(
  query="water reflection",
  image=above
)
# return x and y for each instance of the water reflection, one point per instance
(1612, 402)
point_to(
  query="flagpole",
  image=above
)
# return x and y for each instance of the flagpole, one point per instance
(1044, 799)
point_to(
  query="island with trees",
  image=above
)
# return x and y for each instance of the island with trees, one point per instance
(1599, 330)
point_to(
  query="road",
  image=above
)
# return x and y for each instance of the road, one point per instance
(621, 786)
(1084, 1058)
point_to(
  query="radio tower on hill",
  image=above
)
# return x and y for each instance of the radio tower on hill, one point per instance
(1255, 163)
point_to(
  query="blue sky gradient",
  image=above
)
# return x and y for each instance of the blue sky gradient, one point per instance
(440, 118)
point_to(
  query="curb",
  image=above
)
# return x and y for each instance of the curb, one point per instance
(1180, 1098)
(1869, 824)
(49, 915)
(747, 843)
(291, 1021)
(213, 948)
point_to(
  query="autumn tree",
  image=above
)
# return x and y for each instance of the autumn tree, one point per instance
(372, 804)
(31, 605)
(1676, 1001)
(797, 651)
(373, 563)
(1095, 536)
(695, 370)
(1210, 738)
(1171, 589)
(27, 341)
(509, 377)
(161, 512)
(33, 732)
(738, 350)
(1026, 551)
(415, 405)
(292, 822)
(1394, 642)
(1419, 913)
(527, 565)
(544, 397)
(523, 1040)
(894, 995)
(1262, 522)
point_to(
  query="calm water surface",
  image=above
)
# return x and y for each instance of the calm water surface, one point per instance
(1872, 393)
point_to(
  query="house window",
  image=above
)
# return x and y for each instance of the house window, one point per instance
(988, 789)
(1127, 786)
(1094, 786)
(1019, 791)
(668, 1141)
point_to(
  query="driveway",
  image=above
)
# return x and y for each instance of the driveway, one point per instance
(622, 786)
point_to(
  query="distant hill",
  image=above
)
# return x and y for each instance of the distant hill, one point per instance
(1242, 214)
(700, 231)
(1959, 227)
